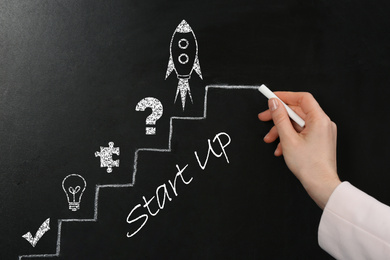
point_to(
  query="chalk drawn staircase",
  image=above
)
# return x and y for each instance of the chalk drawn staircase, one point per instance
(135, 167)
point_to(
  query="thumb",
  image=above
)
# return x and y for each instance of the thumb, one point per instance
(281, 119)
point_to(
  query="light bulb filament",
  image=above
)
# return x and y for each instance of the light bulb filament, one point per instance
(74, 191)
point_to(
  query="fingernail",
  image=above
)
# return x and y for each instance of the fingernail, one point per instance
(273, 104)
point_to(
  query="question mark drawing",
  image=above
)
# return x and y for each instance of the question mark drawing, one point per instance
(157, 112)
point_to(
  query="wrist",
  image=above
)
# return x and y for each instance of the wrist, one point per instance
(320, 189)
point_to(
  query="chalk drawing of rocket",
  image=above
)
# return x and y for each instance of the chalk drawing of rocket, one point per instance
(183, 59)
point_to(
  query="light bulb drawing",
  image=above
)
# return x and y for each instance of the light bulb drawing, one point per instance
(74, 186)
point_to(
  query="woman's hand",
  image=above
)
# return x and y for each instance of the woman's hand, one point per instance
(310, 153)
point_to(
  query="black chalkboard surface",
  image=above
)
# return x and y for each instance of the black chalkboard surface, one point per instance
(78, 80)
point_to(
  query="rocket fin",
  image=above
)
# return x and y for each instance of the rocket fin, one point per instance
(196, 67)
(170, 68)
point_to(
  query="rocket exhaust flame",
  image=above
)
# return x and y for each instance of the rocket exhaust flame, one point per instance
(183, 87)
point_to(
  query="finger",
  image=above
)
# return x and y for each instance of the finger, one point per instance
(272, 135)
(279, 151)
(299, 111)
(281, 120)
(301, 99)
(265, 115)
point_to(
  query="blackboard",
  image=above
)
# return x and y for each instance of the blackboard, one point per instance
(73, 72)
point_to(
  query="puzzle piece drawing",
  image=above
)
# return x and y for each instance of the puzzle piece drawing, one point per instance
(105, 155)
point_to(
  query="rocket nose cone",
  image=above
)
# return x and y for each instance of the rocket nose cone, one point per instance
(183, 27)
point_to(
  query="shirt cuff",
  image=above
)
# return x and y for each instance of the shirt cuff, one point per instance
(354, 225)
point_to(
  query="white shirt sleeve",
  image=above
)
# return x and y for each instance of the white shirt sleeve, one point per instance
(354, 225)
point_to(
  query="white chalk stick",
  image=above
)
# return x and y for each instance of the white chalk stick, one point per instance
(269, 94)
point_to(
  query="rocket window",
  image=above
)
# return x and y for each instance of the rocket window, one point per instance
(183, 58)
(183, 44)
